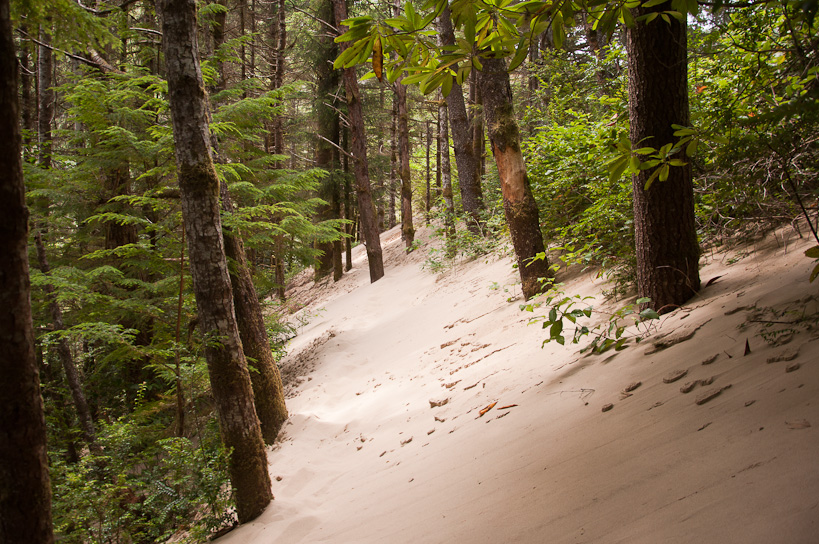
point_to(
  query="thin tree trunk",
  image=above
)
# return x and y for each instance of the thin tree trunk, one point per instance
(199, 192)
(446, 179)
(268, 392)
(407, 228)
(366, 211)
(348, 207)
(466, 159)
(72, 375)
(518, 203)
(25, 490)
(393, 163)
(428, 200)
(476, 122)
(664, 225)
(45, 98)
(28, 99)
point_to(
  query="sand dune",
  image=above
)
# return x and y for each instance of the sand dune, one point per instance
(390, 439)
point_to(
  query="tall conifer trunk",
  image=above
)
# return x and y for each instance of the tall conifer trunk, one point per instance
(329, 130)
(407, 228)
(664, 226)
(366, 210)
(265, 378)
(45, 98)
(25, 490)
(199, 193)
(518, 203)
(466, 159)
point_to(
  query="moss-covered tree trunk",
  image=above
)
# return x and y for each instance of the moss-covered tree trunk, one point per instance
(518, 203)
(265, 378)
(466, 160)
(664, 226)
(366, 210)
(25, 491)
(199, 192)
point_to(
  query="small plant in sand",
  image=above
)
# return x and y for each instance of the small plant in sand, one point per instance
(614, 333)
(454, 243)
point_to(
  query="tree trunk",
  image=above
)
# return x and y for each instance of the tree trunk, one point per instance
(28, 100)
(199, 193)
(329, 132)
(476, 122)
(518, 203)
(268, 392)
(72, 376)
(428, 196)
(25, 490)
(466, 159)
(404, 172)
(45, 98)
(393, 163)
(664, 227)
(446, 180)
(348, 207)
(366, 211)
(407, 228)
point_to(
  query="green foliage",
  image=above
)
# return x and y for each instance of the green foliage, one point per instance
(143, 489)
(448, 247)
(566, 310)
(584, 213)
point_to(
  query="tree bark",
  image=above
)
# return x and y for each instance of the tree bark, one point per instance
(45, 98)
(268, 391)
(407, 228)
(445, 169)
(28, 100)
(404, 172)
(393, 164)
(199, 192)
(366, 210)
(518, 203)
(329, 130)
(664, 225)
(466, 159)
(25, 490)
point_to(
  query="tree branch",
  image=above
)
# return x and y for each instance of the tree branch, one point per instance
(344, 151)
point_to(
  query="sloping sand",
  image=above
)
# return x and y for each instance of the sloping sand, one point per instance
(369, 457)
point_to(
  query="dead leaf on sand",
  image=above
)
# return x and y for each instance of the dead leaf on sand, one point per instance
(482, 412)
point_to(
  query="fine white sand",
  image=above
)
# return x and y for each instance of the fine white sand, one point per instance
(367, 458)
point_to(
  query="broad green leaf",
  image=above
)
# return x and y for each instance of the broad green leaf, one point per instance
(815, 273)
(651, 179)
(446, 86)
(649, 313)
(664, 170)
(691, 148)
(813, 252)
(520, 55)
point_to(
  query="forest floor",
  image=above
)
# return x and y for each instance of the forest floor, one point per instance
(391, 437)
